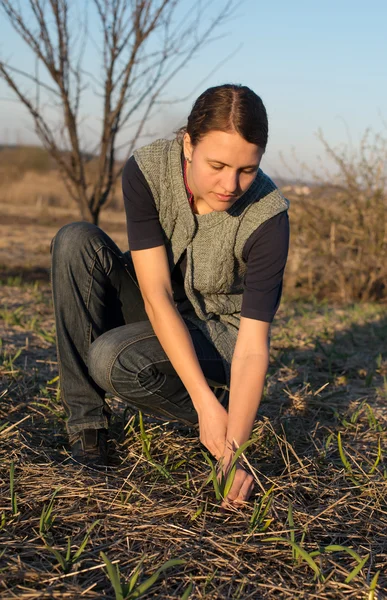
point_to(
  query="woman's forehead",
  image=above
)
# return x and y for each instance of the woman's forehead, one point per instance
(229, 148)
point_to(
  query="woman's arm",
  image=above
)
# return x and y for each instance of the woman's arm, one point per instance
(248, 371)
(152, 270)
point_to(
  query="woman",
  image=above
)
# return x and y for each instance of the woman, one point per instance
(188, 309)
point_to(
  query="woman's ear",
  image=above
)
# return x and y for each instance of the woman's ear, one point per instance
(187, 147)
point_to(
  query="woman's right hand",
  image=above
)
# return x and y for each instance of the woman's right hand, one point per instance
(213, 418)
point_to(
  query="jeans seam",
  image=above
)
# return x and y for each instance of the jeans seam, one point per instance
(87, 301)
(120, 256)
(62, 394)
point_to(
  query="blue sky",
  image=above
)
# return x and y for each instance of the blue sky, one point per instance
(316, 65)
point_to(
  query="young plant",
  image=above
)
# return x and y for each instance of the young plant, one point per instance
(378, 459)
(12, 488)
(374, 583)
(223, 481)
(360, 561)
(302, 553)
(129, 590)
(46, 518)
(258, 521)
(67, 561)
(344, 459)
(146, 445)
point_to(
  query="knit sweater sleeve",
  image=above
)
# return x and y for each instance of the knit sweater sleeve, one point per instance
(265, 252)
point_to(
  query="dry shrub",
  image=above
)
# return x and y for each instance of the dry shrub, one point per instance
(339, 231)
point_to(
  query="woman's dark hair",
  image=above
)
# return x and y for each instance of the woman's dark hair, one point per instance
(229, 107)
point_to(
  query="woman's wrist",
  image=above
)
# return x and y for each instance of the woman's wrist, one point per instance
(202, 398)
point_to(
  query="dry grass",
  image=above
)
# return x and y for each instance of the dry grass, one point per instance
(328, 376)
(45, 189)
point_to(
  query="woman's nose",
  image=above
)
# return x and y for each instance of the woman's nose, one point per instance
(230, 182)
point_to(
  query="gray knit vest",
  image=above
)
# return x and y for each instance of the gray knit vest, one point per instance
(214, 242)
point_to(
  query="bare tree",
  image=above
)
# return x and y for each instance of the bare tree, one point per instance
(140, 46)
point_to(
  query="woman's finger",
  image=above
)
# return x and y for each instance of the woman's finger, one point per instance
(246, 489)
(242, 492)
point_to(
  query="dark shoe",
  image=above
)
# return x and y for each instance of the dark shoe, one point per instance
(90, 447)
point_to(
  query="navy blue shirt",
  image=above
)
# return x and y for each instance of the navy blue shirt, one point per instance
(265, 252)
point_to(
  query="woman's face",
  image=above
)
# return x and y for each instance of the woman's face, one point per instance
(223, 166)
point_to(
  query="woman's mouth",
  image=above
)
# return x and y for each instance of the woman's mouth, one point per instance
(224, 197)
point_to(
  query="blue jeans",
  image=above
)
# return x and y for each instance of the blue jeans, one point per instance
(105, 341)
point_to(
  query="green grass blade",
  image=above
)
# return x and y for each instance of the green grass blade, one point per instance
(213, 477)
(240, 451)
(291, 527)
(378, 458)
(58, 556)
(84, 542)
(68, 553)
(357, 569)
(187, 592)
(337, 548)
(229, 481)
(12, 488)
(374, 583)
(134, 578)
(144, 587)
(114, 576)
(344, 459)
(303, 553)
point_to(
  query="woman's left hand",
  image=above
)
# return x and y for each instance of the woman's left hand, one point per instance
(241, 488)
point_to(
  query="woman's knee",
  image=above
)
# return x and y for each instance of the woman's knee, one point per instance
(119, 360)
(100, 357)
(71, 238)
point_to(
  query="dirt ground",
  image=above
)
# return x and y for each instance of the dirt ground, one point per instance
(26, 233)
(315, 528)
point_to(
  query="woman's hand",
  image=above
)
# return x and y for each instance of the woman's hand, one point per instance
(242, 485)
(212, 417)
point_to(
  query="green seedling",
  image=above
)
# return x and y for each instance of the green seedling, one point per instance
(46, 518)
(146, 446)
(378, 458)
(258, 521)
(4, 426)
(223, 482)
(372, 420)
(329, 440)
(12, 318)
(187, 592)
(361, 561)
(12, 488)
(66, 562)
(344, 459)
(199, 511)
(292, 531)
(8, 360)
(308, 557)
(48, 336)
(374, 583)
(129, 590)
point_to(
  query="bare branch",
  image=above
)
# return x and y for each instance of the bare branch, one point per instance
(140, 47)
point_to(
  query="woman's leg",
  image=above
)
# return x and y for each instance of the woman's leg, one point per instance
(130, 362)
(94, 289)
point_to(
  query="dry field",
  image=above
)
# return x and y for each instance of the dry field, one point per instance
(316, 525)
